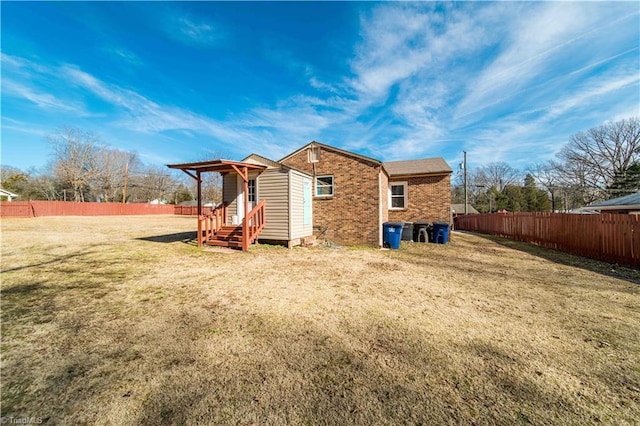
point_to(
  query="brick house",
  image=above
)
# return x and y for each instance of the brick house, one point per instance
(354, 195)
(319, 190)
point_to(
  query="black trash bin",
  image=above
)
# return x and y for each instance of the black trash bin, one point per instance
(407, 231)
(421, 232)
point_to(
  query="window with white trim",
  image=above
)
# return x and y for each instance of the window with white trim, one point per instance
(398, 195)
(324, 186)
(251, 195)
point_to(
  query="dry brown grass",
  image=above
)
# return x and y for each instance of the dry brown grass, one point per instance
(113, 321)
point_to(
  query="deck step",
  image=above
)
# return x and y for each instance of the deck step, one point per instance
(224, 243)
(227, 236)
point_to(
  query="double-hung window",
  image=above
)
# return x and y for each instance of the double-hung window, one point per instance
(324, 186)
(397, 195)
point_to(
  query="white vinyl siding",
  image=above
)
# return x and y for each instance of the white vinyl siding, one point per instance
(229, 195)
(273, 188)
(398, 195)
(283, 192)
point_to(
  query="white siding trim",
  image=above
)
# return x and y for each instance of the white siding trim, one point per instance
(380, 242)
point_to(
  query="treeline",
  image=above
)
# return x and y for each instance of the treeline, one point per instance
(599, 164)
(85, 169)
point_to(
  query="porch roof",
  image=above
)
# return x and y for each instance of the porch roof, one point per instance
(219, 166)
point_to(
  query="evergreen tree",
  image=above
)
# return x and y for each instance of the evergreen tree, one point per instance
(530, 194)
(625, 182)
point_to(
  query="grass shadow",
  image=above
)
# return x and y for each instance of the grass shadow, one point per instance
(185, 237)
(57, 259)
(608, 269)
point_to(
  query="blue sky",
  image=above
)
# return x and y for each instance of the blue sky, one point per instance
(178, 82)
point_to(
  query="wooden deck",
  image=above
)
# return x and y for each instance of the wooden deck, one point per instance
(212, 227)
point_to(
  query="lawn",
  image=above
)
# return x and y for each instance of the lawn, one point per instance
(123, 320)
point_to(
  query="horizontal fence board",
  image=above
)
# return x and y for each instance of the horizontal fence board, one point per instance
(191, 210)
(613, 238)
(70, 208)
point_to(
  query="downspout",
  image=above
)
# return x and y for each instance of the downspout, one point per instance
(380, 206)
(199, 204)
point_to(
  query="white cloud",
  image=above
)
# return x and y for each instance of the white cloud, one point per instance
(532, 38)
(122, 54)
(23, 127)
(599, 88)
(26, 80)
(541, 46)
(422, 81)
(41, 99)
(190, 30)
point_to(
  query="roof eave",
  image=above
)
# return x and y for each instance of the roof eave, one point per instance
(219, 166)
(410, 175)
(331, 148)
(620, 207)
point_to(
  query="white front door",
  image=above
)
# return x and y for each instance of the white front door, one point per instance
(240, 197)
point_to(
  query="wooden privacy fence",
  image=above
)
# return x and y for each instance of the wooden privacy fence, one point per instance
(191, 210)
(69, 208)
(613, 238)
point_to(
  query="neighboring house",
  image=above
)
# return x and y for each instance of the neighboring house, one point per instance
(629, 204)
(9, 196)
(354, 195)
(324, 191)
(458, 209)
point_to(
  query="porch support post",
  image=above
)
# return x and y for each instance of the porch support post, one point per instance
(199, 180)
(199, 208)
(245, 224)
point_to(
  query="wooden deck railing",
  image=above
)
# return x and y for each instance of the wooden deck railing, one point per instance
(209, 224)
(252, 225)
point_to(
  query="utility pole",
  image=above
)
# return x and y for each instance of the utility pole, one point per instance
(466, 199)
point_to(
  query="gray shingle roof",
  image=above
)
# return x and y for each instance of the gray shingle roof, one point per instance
(417, 167)
(627, 200)
(459, 209)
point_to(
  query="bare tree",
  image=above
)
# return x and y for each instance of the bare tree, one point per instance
(12, 179)
(497, 175)
(151, 183)
(113, 169)
(75, 159)
(592, 159)
(43, 187)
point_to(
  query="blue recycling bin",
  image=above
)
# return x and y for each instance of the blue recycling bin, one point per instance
(440, 233)
(392, 233)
